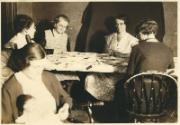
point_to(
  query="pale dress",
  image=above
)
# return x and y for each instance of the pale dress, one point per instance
(43, 102)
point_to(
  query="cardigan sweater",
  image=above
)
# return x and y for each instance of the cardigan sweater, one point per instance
(150, 56)
(12, 89)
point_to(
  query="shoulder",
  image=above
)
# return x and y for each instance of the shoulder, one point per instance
(11, 83)
(132, 38)
(136, 47)
(14, 38)
(166, 48)
(110, 35)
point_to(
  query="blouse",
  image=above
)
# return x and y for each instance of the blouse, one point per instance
(123, 44)
(58, 42)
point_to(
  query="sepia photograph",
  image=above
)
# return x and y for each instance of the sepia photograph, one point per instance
(89, 62)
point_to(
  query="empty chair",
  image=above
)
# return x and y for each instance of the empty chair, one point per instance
(149, 95)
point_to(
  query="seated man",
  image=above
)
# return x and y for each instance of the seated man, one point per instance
(57, 38)
(150, 53)
(121, 41)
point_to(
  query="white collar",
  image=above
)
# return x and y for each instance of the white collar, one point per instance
(152, 40)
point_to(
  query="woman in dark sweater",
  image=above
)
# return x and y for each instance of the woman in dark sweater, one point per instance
(31, 79)
(150, 53)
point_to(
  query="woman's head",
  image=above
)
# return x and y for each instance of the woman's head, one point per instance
(24, 23)
(120, 23)
(61, 23)
(30, 55)
(146, 28)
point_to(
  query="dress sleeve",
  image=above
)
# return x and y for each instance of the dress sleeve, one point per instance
(63, 95)
(107, 44)
(135, 57)
(171, 65)
(6, 107)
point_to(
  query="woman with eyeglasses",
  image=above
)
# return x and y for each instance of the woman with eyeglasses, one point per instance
(57, 38)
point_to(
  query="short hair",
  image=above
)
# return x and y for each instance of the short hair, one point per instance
(147, 26)
(22, 22)
(56, 19)
(122, 17)
(21, 58)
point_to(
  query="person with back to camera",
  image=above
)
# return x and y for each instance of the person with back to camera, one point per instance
(24, 27)
(150, 53)
(31, 79)
(120, 42)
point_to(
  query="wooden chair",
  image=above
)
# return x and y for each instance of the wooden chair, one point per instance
(149, 95)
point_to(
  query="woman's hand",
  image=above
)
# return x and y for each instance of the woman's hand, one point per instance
(63, 112)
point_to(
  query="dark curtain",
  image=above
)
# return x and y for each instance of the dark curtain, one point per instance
(8, 12)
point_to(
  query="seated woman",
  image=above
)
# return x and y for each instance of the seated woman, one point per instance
(31, 79)
(57, 38)
(102, 86)
(150, 53)
(120, 42)
(25, 29)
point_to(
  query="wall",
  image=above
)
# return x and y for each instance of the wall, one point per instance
(97, 13)
(24, 8)
(47, 11)
(170, 16)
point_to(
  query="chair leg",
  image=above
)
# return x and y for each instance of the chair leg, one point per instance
(90, 114)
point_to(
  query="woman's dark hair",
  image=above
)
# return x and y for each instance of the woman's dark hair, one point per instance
(147, 26)
(21, 22)
(56, 19)
(121, 17)
(21, 100)
(20, 58)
